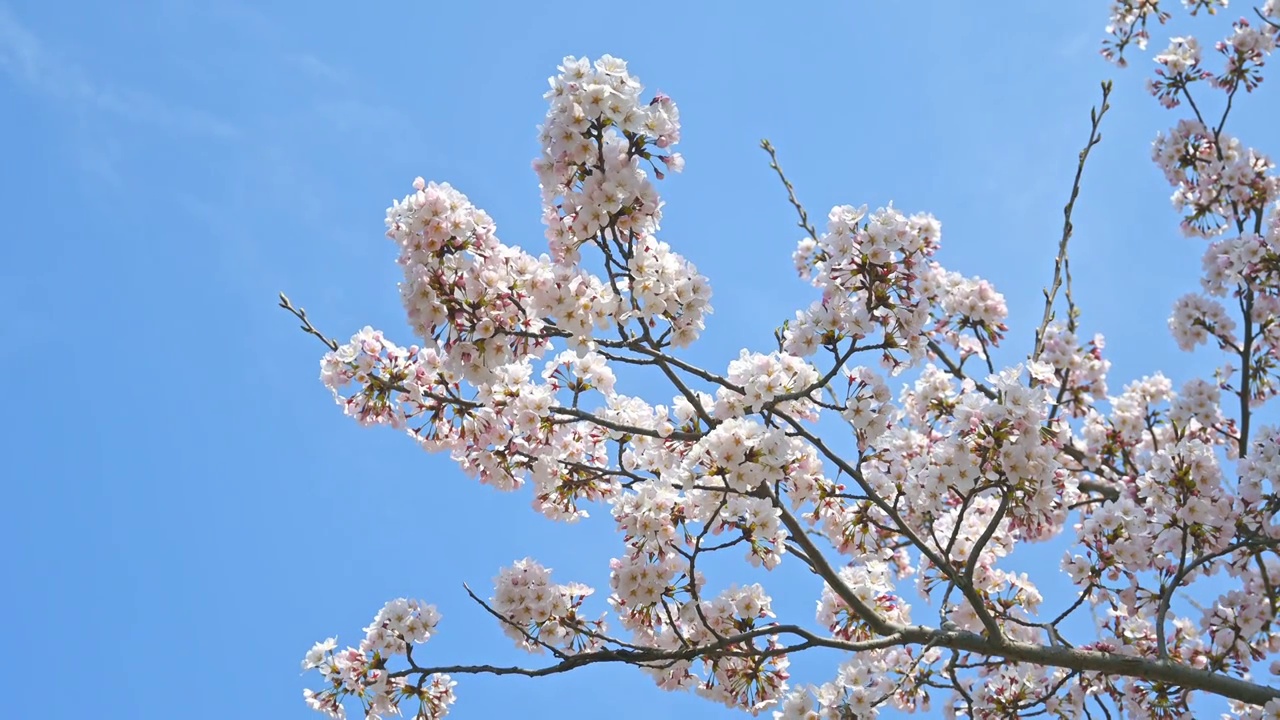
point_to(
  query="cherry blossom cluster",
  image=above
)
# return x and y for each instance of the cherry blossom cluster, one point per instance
(1249, 259)
(868, 269)
(485, 303)
(1241, 711)
(1138, 423)
(596, 139)
(764, 378)
(1181, 67)
(742, 669)
(869, 680)
(650, 518)
(577, 301)
(539, 614)
(463, 288)
(1217, 182)
(1130, 19)
(753, 520)
(972, 312)
(395, 383)
(737, 680)
(1245, 53)
(1258, 485)
(739, 454)
(598, 132)
(362, 672)
(1196, 318)
(664, 285)
(1222, 186)
(651, 450)
(718, 476)
(503, 434)
(1006, 438)
(1246, 266)
(640, 581)
(657, 592)
(866, 405)
(872, 583)
(517, 430)
(1076, 372)
(1176, 518)
(1010, 689)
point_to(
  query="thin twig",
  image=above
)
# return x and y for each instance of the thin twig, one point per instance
(307, 327)
(791, 191)
(1061, 264)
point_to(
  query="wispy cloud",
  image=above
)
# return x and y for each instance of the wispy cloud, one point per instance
(336, 98)
(1075, 48)
(315, 68)
(30, 62)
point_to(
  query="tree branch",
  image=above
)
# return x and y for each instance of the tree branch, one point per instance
(1061, 266)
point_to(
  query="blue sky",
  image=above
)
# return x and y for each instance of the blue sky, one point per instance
(187, 511)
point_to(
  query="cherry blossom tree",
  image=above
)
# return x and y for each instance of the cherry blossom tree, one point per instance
(803, 454)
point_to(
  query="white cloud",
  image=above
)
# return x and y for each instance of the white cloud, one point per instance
(314, 67)
(30, 62)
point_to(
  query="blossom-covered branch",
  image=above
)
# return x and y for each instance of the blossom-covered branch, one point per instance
(1153, 489)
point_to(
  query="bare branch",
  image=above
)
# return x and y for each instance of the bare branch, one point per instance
(1061, 266)
(791, 191)
(307, 327)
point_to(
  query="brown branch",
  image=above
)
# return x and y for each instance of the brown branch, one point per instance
(1061, 266)
(1184, 569)
(988, 622)
(508, 621)
(959, 372)
(628, 429)
(791, 191)
(1148, 669)
(901, 526)
(1110, 491)
(1164, 671)
(658, 657)
(1246, 362)
(824, 570)
(307, 327)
